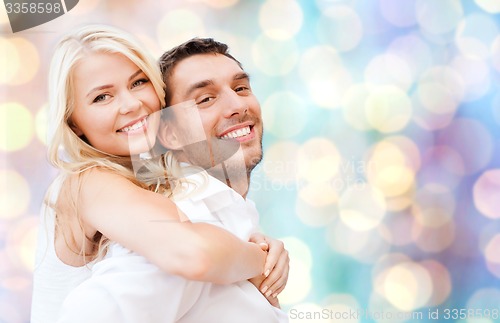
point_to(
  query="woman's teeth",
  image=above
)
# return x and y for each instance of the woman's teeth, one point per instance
(134, 126)
(237, 133)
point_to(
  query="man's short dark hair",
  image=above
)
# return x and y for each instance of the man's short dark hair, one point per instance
(190, 48)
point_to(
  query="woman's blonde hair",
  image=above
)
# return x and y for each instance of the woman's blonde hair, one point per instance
(77, 154)
(67, 151)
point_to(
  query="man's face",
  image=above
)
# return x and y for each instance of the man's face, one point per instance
(226, 109)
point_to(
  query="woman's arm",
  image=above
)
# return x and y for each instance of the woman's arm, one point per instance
(148, 224)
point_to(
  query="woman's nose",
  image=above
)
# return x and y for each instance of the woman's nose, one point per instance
(129, 102)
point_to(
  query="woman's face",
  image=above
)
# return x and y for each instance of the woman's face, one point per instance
(114, 105)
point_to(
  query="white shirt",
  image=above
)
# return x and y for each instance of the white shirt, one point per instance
(125, 287)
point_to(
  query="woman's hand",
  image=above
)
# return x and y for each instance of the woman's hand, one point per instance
(276, 269)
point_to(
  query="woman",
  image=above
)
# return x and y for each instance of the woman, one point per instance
(104, 92)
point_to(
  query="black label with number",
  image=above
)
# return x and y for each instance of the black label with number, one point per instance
(25, 14)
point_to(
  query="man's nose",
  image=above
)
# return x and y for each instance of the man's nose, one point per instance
(234, 104)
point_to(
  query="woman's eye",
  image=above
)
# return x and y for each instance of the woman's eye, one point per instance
(100, 97)
(139, 82)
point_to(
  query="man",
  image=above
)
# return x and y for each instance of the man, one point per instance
(203, 71)
(213, 122)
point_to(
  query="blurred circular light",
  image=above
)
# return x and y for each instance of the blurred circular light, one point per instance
(318, 160)
(389, 70)
(381, 310)
(21, 242)
(476, 75)
(364, 246)
(299, 278)
(485, 298)
(391, 172)
(400, 13)
(433, 239)
(28, 55)
(327, 80)
(475, 35)
(400, 202)
(150, 43)
(434, 205)
(340, 304)
(495, 53)
(463, 136)
(409, 150)
(316, 204)
(10, 61)
(275, 57)
(362, 216)
(407, 286)
(414, 51)
(492, 256)
(388, 109)
(9, 310)
(4, 19)
(333, 23)
(489, 6)
(439, 17)
(448, 77)
(440, 90)
(396, 229)
(326, 4)
(443, 165)
(441, 281)
(383, 264)
(41, 121)
(284, 114)
(84, 7)
(318, 194)
(283, 26)
(436, 98)
(177, 26)
(16, 123)
(280, 162)
(14, 197)
(219, 4)
(486, 192)
(353, 107)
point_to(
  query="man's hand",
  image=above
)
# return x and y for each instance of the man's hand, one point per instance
(275, 276)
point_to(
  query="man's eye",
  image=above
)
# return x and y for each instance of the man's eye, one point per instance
(205, 100)
(100, 97)
(241, 88)
(139, 82)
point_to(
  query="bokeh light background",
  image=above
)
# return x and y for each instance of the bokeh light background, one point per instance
(382, 149)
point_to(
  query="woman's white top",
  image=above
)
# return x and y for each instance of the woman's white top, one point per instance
(53, 279)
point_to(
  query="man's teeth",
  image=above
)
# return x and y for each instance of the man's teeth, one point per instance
(237, 133)
(134, 126)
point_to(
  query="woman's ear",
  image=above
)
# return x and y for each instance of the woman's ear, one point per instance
(167, 138)
(75, 128)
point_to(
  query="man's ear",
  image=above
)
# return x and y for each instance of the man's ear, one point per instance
(166, 136)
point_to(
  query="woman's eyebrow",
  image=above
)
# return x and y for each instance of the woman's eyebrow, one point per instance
(107, 86)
